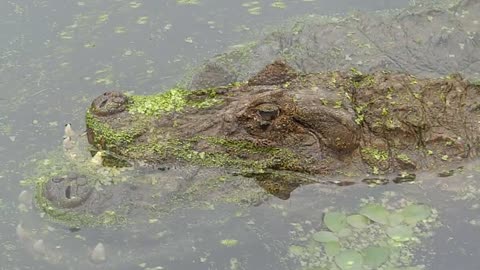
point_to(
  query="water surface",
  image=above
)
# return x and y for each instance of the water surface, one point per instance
(56, 57)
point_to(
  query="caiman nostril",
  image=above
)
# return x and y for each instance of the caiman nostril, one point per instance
(68, 192)
(57, 180)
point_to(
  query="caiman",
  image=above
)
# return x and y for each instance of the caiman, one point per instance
(375, 98)
(319, 123)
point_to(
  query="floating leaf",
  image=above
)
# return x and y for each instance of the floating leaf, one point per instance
(332, 248)
(358, 221)
(395, 219)
(415, 213)
(349, 260)
(335, 221)
(344, 232)
(325, 236)
(375, 212)
(400, 233)
(375, 256)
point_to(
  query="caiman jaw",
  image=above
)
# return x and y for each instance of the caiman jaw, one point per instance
(68, 191)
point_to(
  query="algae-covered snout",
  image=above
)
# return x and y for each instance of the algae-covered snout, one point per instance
(67, 191)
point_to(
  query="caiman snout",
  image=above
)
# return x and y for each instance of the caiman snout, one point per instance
(109, 103)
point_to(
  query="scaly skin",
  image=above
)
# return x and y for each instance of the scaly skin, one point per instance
(321, 123)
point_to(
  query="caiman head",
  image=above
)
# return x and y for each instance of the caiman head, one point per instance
(277, 120)
(322, 123)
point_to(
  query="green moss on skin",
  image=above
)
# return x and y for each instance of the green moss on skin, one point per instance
(143, 108)
(375, 158)
(271, 157)
(174, 100)
(375, 154)
(103, 133)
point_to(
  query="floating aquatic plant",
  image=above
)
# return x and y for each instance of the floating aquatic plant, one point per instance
(358, 221)
(349, 260)
(373, 238)
(325, 237)
(335, 221)
(376, 213)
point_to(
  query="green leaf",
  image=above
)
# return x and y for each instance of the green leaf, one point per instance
(375, 212)
(332, 248)
(324, 237)
(375, 256)
(335, 221)
(344, 233)
(395, 219)
(415, 213)
(400, 233)
(349, 260)
(358, 221)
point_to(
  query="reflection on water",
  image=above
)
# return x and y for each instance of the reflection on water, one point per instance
(56, 56)
(283, 234)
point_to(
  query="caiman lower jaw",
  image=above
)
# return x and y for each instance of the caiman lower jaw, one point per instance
(68, 192)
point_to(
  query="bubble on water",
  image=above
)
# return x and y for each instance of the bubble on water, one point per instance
(25, 197)
(98, 254)
(22, 234)
(39, 247)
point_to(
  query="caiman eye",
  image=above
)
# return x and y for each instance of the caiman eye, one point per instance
(268, 111)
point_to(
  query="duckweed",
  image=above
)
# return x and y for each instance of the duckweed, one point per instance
(229, 242)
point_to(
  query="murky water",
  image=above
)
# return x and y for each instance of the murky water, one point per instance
(55, 57)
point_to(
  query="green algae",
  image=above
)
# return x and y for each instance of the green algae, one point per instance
(176, 149)
(375, 158)
(376, 154)
(174, 100)
(103, 133)
(404, 158)
(229, 242)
